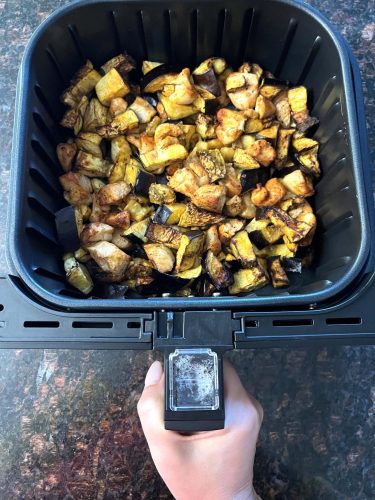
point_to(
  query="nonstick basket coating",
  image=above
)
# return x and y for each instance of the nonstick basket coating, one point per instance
(288, 38)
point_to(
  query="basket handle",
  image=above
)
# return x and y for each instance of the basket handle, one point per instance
(194, 396)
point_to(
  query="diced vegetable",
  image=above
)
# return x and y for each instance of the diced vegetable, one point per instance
(163, 175)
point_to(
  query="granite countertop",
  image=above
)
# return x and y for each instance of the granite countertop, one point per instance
(68, 422)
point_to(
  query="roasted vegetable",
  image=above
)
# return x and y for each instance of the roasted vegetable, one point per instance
(277, 273)
(77, 274)
(189, 250)
(164, 234)
(162, 176)
(247, 280)
(162, 257)
(298, 102)
(161, 194)
(242, 249)
(65, 154)
(110, 86)
(220, 275)
(109, 257)
(193, 216)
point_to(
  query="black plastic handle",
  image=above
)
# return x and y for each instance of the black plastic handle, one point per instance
(194, 396)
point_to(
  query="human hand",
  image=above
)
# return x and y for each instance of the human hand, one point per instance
(215, 465)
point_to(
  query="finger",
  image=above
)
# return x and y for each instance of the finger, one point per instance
(151, 405)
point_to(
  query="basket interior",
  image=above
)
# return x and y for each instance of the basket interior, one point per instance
(281, 37)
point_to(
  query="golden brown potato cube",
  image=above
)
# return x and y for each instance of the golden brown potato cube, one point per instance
(112, 194)
(118, 219)
(231, 125)
(210, 197)
(110, 86)
(213, 242)
(264, 107)
(108, 257)
(118, 105)
(96, 231)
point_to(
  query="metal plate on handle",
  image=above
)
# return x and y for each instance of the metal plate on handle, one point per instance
(193, 380)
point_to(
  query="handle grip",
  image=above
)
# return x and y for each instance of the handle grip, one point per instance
(194, 396)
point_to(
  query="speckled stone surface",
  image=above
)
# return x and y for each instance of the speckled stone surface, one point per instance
(68, 423)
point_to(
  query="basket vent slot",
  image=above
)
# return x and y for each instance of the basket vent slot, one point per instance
(251, 323)
(116, 33)
(39, 122)
(344, 321)
(44, 156)
(134, 325)
(310, 60)
(92, 324)
(42, 182)
(289, 35)
(194, 36)
(40, 209)
(41, 324)
(55, 65)
(246, 33)
(141, 29)
(220, 31)
(293, 322)
(43, 100)
(41, 236)
(77, 42)
(41, 271)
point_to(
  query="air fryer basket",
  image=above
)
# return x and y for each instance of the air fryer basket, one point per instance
(289, 38)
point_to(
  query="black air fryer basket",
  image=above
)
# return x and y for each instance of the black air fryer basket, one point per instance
(332, 301)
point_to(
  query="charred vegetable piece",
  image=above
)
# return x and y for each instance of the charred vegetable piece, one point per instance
(90, 142)
(114, 291)
(164, 234)
(277, 273)
(123, 63)
(139, 230)
(247, 280)
(309, 162)
(82, 84)
(292, 229)
(298, 102)
(206, 78)
(250, 178)
(262, 233)
(282, 149)
(77, 188)
(96, 115)
(191, 246)
(205, 125)
(242, 249)
(68, 225)
(214, 164)
(193, 216)
(162, 257)
(161, 194)
(169, 214)
(228, 229)
(220, 275)
(77, 275)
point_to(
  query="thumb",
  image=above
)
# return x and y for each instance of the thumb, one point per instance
(151, 403)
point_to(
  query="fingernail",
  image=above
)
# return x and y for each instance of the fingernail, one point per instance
(154, 374)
